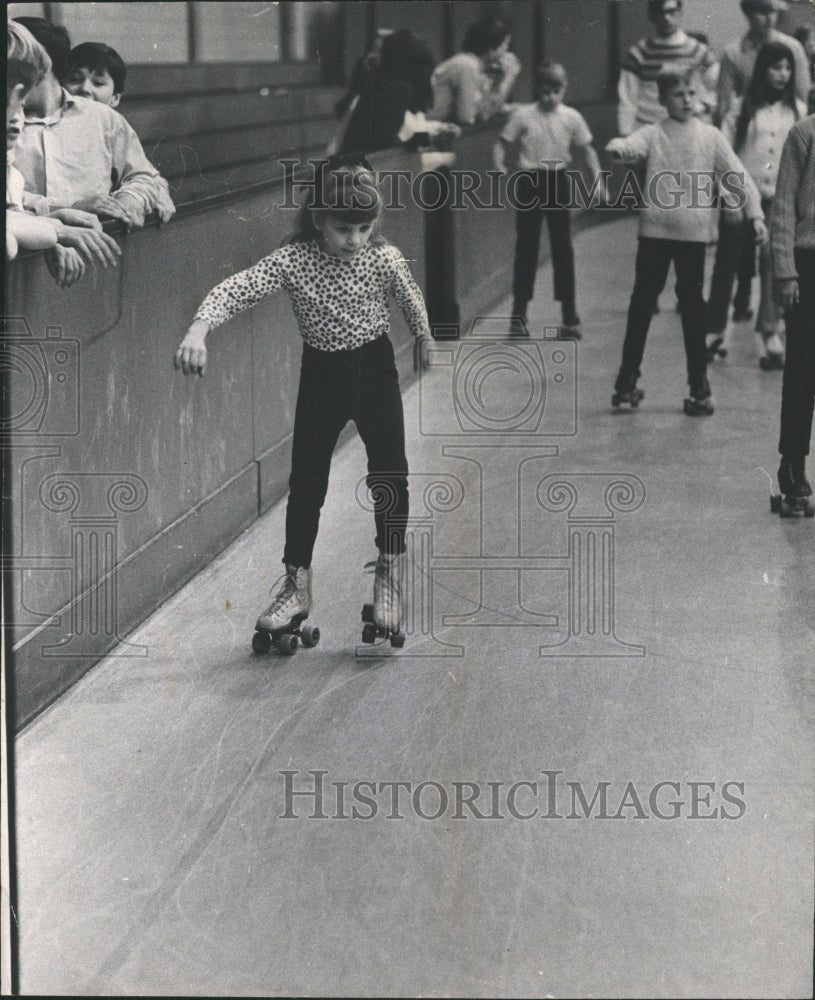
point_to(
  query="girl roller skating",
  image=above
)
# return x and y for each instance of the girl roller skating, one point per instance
(756, 130)
(339, 272)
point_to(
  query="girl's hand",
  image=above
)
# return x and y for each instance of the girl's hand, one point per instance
(785, 293)
(762, 234)
(421, 353)
(191, 356)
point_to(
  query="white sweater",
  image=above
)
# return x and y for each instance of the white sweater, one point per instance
(686, 163)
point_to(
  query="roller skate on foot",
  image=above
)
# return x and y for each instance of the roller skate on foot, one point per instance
(626, 394)
(698, 403)
(718, 344)
(773, 359)
(793, 501)
(570, 327)
(383, 618)
(281, 624)
(517, 323)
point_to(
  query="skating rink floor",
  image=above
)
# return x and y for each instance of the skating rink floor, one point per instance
(601, 724)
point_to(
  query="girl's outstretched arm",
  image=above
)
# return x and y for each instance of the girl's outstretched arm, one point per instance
(409, 299)
(191, 356)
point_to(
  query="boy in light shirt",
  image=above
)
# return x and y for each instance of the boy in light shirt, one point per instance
(545, 134)
(677, 223)
(71, 237)
(79, 153)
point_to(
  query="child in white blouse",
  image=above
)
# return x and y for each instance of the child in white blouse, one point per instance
(757, 131)
(339, 273)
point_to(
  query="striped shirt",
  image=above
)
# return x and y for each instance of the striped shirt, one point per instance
(637, 87)
(792, 225)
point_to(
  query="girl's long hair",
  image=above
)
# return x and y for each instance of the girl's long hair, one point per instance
(344, 189)
(757, 93)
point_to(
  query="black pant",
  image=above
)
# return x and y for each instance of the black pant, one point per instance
(653, 262)
(337, 386)
(735, 254)
(547, 192)
(798, 391)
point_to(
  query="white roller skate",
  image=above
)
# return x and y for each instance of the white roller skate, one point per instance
(383, 619)
(281, 624)
(774, 350)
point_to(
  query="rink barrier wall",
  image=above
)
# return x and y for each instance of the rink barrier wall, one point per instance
(124, 479)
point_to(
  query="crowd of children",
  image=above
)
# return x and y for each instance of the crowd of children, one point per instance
(71, 159)
(340, 272)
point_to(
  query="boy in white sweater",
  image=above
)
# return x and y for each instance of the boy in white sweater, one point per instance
(686, 163)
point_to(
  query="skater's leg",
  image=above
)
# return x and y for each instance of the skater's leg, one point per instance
(769, 313)
(651, 271)
(379, 417)
(558, 221)
(528, 222)
(798, 389)
(380, 421)
(320, 415)
(689, 261)
(729, 250)
(744, 277)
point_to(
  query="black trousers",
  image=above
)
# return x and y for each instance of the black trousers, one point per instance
(735, 254)
(337, 386)
(547, 192)
(798, 389)
(653, 262)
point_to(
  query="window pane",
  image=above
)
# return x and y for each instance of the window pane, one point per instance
(25, 10)
(237, 32)
(140, 32)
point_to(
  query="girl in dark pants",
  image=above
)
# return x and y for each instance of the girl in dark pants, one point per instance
(360, 385)
(339, 274)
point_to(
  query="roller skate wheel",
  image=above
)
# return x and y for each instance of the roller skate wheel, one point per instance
(287, 644)
(369, 632)
(397, 639)
(809, 510)
(310, 634)
(775, 503)
(368, 613)
(261, 642)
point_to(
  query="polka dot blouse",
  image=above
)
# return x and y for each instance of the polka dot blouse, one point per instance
(339, 304)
